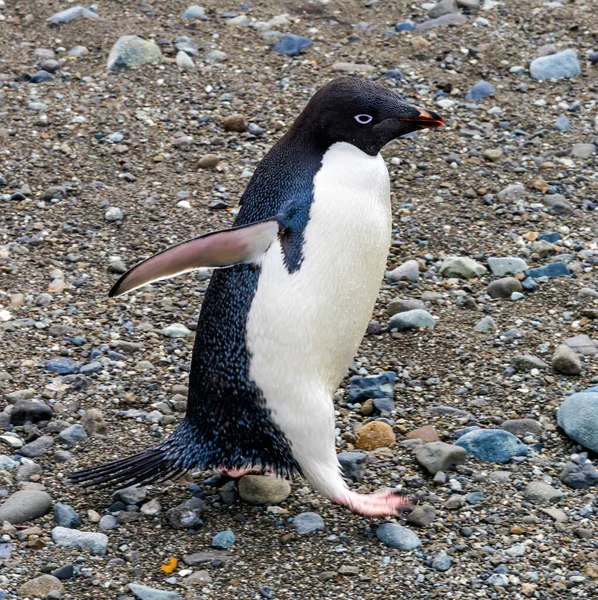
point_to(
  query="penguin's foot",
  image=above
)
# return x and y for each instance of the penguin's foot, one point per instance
(238, 473)
(379, 504)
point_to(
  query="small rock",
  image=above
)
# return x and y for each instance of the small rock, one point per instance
(30, 411)
(441, 562)
(108, 523)
(403, 305)
(526, 362)
(93, 423)
(61, 366)
(215, 56)
(408, 270)
(506, 265)
(209, 161)
(438, 456)
(73, 434)
(485, 325)
(523, 427)
(151, 509)
(398, 537)
(443, 21)
(512, 193)
(84, 541)
(562, 123)
(132, 51)
(503, 288)
(70, 14)
(292, 45)
(24, 506)
(223, 540)
(493, 154)
(195, 12)
(492, 445)
(539, 492)
(263, 489)
(353, 464)
(114, 214)
(556, 66)
(66, 516)
(579, 477)
(481, 90)
(375, 434)
(40, 587)
(308, 523)
(186, 515)
(426, 434)
(444, 7)
(411, 319)
(176, 330)
(565, 361)
(235, 122)
(577, 416)
(461, 267)
(375, 386)
(147, 593)
(422, 516)
(130, 495)
(582, 344)
(184, 61)
(584, 151)
(349, 67)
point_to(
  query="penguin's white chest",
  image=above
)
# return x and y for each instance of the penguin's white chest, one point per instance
(304, 327)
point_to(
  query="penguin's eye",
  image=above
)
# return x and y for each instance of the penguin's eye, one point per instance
(363, 119)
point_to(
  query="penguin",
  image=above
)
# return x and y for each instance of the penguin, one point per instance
(295, 282)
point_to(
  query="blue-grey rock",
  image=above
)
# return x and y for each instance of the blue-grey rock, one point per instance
(8, 464)
(526, 362)
(24, 506)
(394, 75)
(72, 13)
(223, 540)
(37, 447)
(62, 366)
(64, 573)
(485, 325)
(307, 523)
(108, 522)
(443, 7)
(492, 445)
(353, 464)
(506, 265)
(376, 386)
(555, 269)
(577, 416)
(529, 284)
(562, 124)
(441, 562)
(438, 456)
(195, 12)
(186, 515)
(481, 90)
(474, 497)
(72, 434)
(130, 495)
(411, 319)
(132, 51)
(553, 238)
(383, 405)
(66, 516)
(77, 51)
(85, 541)
(405, 26)
(398, 537)
(443, 21)
(30, 411)
(498, 579)
(292, 45)
(93, 367)
(41, 77)
(147, 593)
(556, 66)
(579, 476)
(176, 330)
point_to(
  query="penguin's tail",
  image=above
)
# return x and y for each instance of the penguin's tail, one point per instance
(168, 460)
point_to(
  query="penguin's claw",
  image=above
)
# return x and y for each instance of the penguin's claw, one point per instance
(380, 504)
(238, 473)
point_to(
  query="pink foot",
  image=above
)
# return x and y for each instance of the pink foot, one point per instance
(238, 473)
(380, 504)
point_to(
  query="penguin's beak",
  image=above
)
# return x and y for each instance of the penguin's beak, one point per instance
(426, 119)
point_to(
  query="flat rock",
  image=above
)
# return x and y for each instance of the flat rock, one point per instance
(349, 67)
(422, 516)
(492, 445)
(526, 362)
(438, 456)
(426, 434)
(206, 557)
(292, 45)
(308, 523)
(131, 51)
(539, 492)
(409, 270)
(556, 66)
(263, 489)
(395, 536)
(84, 541)
(412, 319)
(461, 267)
(144, 592)
(522, 427)
(403, 305)
(443, 21)
(24, 506)
(40, 587)
(579, 477)
(444, 7)
(582, 344)
(507, 265)
(577, 416)
(566, 361)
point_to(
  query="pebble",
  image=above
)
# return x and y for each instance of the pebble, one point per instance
(485, 325)
(443, 21)
(184, 61)
(411, 319)
(562, 123)
(84, 541)
(72, 434)
(186, 515)
(439, 456)
(556, 66)
(93, 422)
(66, 516)
(405, 26)
(263, 489)
(398, 537)
(209, 161)
(403, 305)
(151, 509)
(114, 214)
(131, 51)
(24, 506)
(527, 362)
(584, 151)
(72, 13)
(523, 427)
(375, 386)
(481, 90)
(461, 267)
(444, 7)
(215, 56)
(507, 265)
(375, 434)
(308, 523)
(349, 67)
(504, 287)
(40, 587)
(409, 270)
(108, 522)
(195, 12)
(223, 539)
(579, 477)
(441, 562)
(512, 193)
(130, 495)
(352, 463)
(176, 330)
(144, 592)
(30, 411)
(577, 416)
(61, 366)
(539, 492)
(566, 361)
(235, 122)
(492, 445)
(422, 516)
(292, 45)
(426, 434)
(582, 344)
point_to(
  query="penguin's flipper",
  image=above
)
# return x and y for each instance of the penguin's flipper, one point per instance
(245, 244)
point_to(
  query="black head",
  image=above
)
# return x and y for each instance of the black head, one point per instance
(362, 113)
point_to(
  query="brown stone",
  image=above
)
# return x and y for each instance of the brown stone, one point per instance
(40, 587)
(235, 123)
(426, 434)
(375, 435)
(209, 161)
(590, 570)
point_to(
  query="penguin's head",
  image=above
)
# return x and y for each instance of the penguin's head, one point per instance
(362, 113)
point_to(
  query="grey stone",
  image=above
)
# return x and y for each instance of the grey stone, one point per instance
(130, 495)
(492, 445)
(8, 464)
(353, 464)
(556, 66)
(403, 305)
(40, 587)
(93, 422)
(412, 319)
(506, 265)
(72, 434)
(577, 416)
(144, 592)
(438, 456)
(584, 151)
(503, 288)
(132, 51)
(66, 516)
(485, 325)
(84, 541)
(27, 469)
(521, 427)
(70, 14)
(565, 361)
(176, 330)
(308, 523)
(114, 214)
(108, 522)
(579, 477)
(186, 515)
(207, 556)
(215, 56)
(263, 489)
(30, 411)
(441, 562)
(422, 516)
(582, 344)
(195, 12)
(512, 193)
(461, 267)
(443, 21)
(184, 61)
(408, 270)
(539, 492)
(223, 539)
(398, 537)
(24, 506)
(444, 7)
(14, 397)
(527, 362)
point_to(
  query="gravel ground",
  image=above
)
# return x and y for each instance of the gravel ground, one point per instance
(99, 169)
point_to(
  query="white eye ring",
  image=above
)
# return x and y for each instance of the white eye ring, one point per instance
(363, 119)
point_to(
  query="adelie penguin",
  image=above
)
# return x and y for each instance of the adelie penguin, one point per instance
(284, 314)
